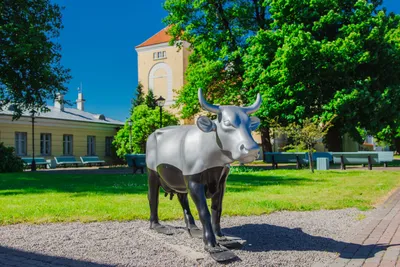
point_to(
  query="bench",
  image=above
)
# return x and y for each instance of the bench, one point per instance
(92, 160)
(284, 157)
(136, 161)
(385, 157)
(40, 162)
(351, 158)
(66, 160)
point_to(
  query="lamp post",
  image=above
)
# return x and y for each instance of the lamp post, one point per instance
(130, 136)
(33, 165)
(160, 102)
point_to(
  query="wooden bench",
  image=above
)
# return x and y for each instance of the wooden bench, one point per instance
(284, 157)
(91, 160)
(40, 162)
(136, 161)
(66, 160)
(385, 157)
(352, 158)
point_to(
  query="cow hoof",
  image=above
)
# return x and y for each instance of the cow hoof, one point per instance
(195, 232)
(220, 253)
(231, 242)
(162, 229)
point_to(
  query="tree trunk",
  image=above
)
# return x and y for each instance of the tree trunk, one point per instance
(266, 139)
(333, 140)
(397, 144)
(310, 161)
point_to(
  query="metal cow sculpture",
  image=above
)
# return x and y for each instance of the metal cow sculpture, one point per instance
(195, 159)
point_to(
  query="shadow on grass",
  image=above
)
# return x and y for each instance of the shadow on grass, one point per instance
(16, 257)
(81, 184)
(265, 237)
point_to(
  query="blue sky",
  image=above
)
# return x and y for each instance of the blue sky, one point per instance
(98, 43)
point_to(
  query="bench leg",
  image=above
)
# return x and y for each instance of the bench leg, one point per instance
(297, 162)
(342, 166)
(385, 164)
(141, 169)
(369, 163)
(273, 162)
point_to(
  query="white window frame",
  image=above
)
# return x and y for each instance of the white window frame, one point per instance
(45, 144)
(108, 148)
(159, 55)
(21, 139)
(68, 144)
(91, 145)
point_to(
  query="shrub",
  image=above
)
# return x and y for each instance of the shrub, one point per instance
(9, 162)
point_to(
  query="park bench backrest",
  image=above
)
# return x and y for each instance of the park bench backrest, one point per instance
(284, 157)
(355, 157)
(37, 160)
(138, 160)
(66, 159)
(90, 159)
(316, 155)
(385, 156)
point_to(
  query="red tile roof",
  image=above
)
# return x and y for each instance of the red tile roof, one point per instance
(158, 38)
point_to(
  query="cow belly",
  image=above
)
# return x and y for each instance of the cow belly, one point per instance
(171, 178)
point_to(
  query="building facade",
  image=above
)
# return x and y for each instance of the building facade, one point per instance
(60, 132)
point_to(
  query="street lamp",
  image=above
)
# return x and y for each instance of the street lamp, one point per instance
(130, 135)
(33, 165)
(160, 102)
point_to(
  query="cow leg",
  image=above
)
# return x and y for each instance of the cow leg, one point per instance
(197, 192)
(193, 230)
(153, 196)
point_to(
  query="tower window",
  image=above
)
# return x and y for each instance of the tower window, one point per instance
(159, 55)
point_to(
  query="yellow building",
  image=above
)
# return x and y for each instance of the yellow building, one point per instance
(60, 132)
(161, 67)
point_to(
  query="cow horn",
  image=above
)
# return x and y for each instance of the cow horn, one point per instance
(253, 108)
(205, 105)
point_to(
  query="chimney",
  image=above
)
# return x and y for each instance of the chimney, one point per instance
(59, 102)
(80, 101)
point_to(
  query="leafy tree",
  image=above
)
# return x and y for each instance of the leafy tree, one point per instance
(328, 58)
(307, 134)
(145, 120)
(150, 100)
(308, 59)
(217, 31)
(9, 162)
(139, 97)
(30, 66)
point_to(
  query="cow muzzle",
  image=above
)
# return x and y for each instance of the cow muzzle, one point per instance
(249, 153)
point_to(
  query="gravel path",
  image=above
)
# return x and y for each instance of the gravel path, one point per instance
(278, 239)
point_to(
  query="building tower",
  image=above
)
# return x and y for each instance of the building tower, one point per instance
(162, 67)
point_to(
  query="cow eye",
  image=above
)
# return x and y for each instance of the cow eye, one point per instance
(227, 123)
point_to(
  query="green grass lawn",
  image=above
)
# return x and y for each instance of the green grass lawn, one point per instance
(48, 197)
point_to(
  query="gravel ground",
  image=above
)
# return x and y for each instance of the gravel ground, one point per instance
(278, 239)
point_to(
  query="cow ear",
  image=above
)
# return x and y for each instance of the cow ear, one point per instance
(205, 124)
(254, 123)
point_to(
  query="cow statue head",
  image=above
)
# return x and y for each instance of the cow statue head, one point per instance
(233, 128)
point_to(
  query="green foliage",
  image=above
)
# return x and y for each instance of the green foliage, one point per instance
(150, 100)
(9, 162)
(307, 58)
(139, 97)
(145, 120)
(30, 61)
(328, 58)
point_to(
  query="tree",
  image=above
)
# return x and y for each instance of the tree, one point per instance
(325, 59)
(150, 100)
(30, 66)
(145, 120)
(306, 134)
(139, 97)
(217, 31)
(308, 59)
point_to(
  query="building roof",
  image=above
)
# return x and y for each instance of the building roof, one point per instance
(69, 114)
(158, 38)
